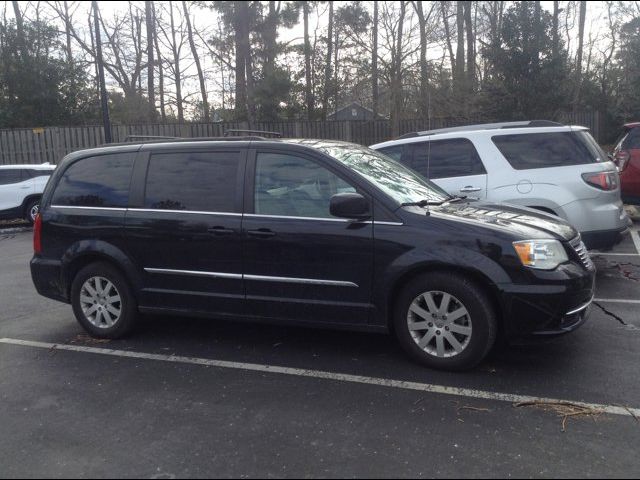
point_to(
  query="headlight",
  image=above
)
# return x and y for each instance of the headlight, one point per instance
(541, 254)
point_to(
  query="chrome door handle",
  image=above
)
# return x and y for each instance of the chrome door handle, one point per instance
(220, 231)
(469, 189)
(261, 233)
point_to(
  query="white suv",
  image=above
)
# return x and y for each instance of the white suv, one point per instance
(21, 187)
(539, 164)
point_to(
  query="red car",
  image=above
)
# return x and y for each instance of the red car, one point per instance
(627, 156)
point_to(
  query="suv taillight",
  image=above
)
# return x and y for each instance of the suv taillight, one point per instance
(37, 235)
(602, 180)
(622, 159)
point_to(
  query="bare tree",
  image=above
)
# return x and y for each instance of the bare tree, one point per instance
(583, 16)
(459, 75)
(148, 10)
(327, 68)
(307, 62)
(374, 61)
(196, 59)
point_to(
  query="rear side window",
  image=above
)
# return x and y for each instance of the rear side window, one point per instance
(36, 173)
(445, 158)
(542, 150)
(195, 181)
(632, 141)
(394, 152)
(101, 181)
(9, 177)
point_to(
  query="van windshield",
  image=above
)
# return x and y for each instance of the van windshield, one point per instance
(399, 182)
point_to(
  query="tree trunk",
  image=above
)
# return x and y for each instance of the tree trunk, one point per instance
(176, 65)
(397, 93)
(103, 89)
(163, 113)
(241, 79)
(556, 32)
(150, 61)
(447, 32)
(423, 104)
(538, 32)
(471, 55)
(196, 59)
(19, 28)
(307, 63)
(583, 15)
(67, 31)
(374, 62)
(327, 65)
(459, 76)
(243, 17)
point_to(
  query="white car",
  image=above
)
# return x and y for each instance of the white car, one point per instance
(544, 165)
(21, 187)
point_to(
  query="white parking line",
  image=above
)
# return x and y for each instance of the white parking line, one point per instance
(615, 300)
(339, 377)
(636, 239)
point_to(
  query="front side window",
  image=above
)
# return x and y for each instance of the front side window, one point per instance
(446, 158)
(287, 185)
(552, 149)
(632, 142)
(394, 152)
(101, 181)
(195, 181)
(9, 176)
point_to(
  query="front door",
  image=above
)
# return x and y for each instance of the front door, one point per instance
(453, 164)
(302, 264)
(185, 231)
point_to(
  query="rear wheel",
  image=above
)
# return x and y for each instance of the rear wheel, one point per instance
(31, 212)
(445, 321)
(103, 302)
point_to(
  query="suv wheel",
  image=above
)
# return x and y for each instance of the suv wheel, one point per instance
(102, 301)
(31, 212)
(445, 321)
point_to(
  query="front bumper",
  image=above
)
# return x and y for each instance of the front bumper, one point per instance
(544, 311)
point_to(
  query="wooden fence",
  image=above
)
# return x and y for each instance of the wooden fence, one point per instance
(51, 144)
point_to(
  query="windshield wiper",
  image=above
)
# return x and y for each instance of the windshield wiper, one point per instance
(422, 203)
(456, 198)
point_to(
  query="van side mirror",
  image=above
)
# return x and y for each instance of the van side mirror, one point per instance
(350, 205)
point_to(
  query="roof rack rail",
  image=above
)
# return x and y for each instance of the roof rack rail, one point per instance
(261, 133)
(486, 126)
(130, 138)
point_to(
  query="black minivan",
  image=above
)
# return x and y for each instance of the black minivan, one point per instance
(305, 232)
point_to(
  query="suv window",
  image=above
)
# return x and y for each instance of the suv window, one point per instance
(542, 150)
(101, 181)
(9, 176)
(292, 186)
(394, 152)
(32, 173)
(632, 141)
(445, 158)
(195, 181)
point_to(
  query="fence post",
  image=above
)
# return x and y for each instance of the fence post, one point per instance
(347, 131)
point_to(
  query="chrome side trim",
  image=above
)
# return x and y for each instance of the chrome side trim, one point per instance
(580, 308)
(306, 281)
(256, 215)
(73, 207)
(195, 273)
(395, 224)
(258, 278)
(192, 212)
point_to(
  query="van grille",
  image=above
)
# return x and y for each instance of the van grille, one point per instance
(580, 248)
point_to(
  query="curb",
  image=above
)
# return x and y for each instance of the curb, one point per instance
(14, 230)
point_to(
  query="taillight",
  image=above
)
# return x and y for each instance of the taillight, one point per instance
(622, 159)
(602, 180)
(37, 235)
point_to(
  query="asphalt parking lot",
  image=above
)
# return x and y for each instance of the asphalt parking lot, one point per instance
(199, 398)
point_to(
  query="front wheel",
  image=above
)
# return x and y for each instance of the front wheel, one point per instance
(103, 302)
(445, 321)
(31, 212)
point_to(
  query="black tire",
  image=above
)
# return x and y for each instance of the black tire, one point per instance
(482, 316)
(29, 208)
(127, 306)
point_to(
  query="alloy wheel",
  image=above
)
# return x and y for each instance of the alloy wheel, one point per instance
(100, 302)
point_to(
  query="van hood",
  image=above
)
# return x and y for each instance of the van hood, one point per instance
(525, 223)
